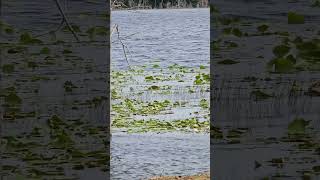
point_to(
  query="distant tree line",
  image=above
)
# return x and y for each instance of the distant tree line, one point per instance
(158, 4)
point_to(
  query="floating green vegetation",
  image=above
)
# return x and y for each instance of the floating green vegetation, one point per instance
(150, 78)
(155, 66)
(202, 78)
(12, 99)
(281, 50)
(26, 38)
(179, 68)
(215, 45)
(158, 125)
(215, 132)
(263, 28)
(154, 87)
(114, 94)
(69, 86)
(294, 18)
(127, 112)
(259, 95)
(234, 31)
(129, 106)
(8, 29)
(8, 68)
(282, 65)
(62, 146)
(45, 50)
(202, 67)
(191, 90)
(316, 3)
(227, 62)
(297, 126)
(237, 32)
(309, 50)
(306, 57)
(204, 104)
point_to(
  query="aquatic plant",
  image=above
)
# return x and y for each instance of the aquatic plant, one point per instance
(26, 38)
(297, 126)
(295, 18)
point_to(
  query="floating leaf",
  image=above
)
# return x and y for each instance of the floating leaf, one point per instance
(26, 38)
(202, 67)
(262, 28)
(45, 50)
(297, 126)
(13, 99)
(237, 32)
(154, 88)
(204, 104)
(316, 3)
(294, 18)
(149, 78)
(281, 50)
(259, 95)
(282, 65)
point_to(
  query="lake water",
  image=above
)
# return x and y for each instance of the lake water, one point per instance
(170, 36)
(268, 120)
(162, 37)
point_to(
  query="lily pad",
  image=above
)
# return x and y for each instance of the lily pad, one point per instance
(281, 50)
(262, 28)
(26, 38)
(298, 126)
(259, 95)
(294, 18)
(13, 99)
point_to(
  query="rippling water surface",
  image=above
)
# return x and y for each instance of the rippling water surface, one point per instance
(169, 36)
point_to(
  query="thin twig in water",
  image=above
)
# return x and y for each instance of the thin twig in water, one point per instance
(125, 36)
(123, 46)
(66, 20)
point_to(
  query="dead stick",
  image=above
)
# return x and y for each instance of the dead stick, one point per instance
(66, 20)
(123, 46)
